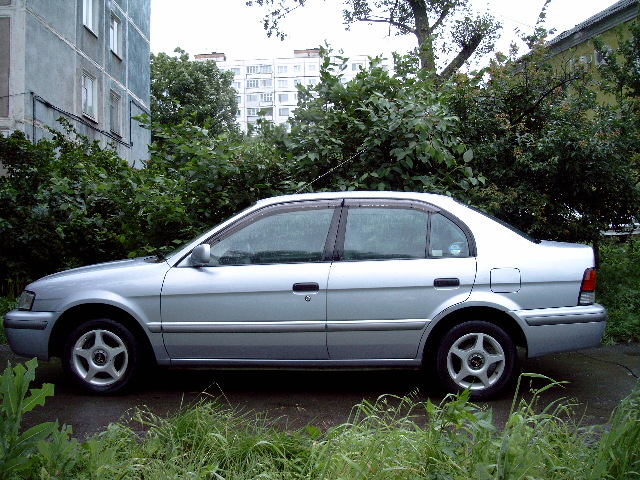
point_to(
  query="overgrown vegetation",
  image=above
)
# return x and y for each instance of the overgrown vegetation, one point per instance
(393, 438)
(619, 289)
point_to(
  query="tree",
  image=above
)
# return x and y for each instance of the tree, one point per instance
(466, 33)
(558, 165)
(182, 89)
(378, 131)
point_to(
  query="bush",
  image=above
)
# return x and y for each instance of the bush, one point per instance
(619, 289)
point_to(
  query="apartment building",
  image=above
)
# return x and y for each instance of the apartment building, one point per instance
(83, 60)
(268, 88)
(575, 46)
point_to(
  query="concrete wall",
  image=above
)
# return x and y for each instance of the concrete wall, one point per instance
(50, 49)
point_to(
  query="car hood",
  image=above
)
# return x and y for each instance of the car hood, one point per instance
(140, 277)
(99, 267)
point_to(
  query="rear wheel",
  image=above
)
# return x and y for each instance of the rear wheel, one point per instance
(479, 356)
(101, 356)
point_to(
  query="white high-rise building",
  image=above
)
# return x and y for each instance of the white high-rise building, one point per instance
(269, 87)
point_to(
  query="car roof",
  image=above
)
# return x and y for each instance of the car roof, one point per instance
(425, 197)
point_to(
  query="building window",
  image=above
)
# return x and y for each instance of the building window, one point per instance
(237, 85)
(297, 68)
(312, 67)
(266, 69)
(283, 112)
(297, 81)
(283, 97)
(283, 83)
(252, 83)
(235, 71)
(89, 14)
(282, 69)
(238, 113)
(253, 69)
(115, 35)
(253, 97)
(89, 95)
(115, 109)
(266, 97)
(312, 81)
(252, 112)
(357, 66)
(267, 82)
(239, 99)
(5, 57)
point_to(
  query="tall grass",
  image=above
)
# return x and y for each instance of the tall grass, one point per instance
(391, 438)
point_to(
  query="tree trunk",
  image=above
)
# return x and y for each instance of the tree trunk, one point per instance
(424, 33)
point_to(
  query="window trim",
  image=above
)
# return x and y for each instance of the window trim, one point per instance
(117, 43)
(118, 130)
(89, 19)
(93, 115)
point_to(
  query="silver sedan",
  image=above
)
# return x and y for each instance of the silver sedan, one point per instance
(326, 280)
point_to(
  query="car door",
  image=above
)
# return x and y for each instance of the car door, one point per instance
(263, 294)
(398, 264)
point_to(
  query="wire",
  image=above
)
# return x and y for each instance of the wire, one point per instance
(358, 153)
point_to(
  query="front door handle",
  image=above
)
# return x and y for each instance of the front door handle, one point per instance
(306, 287)
(446, 282)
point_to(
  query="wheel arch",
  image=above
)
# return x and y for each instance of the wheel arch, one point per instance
(81, 313)
(487, 314)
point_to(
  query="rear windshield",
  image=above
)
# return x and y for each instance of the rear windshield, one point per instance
(503, 223)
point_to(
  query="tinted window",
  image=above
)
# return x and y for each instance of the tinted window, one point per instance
(382, 233)
(447, 238)
(286, 237)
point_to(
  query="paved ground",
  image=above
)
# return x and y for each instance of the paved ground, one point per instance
(598, 379)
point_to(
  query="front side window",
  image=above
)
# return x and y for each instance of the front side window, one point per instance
(287, 237)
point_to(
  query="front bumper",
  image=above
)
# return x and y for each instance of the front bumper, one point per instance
(28, 332)
(556, 330)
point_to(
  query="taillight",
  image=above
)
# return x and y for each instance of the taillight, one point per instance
(588, 287)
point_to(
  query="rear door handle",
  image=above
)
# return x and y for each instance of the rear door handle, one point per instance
(306, 287)
(446, 282)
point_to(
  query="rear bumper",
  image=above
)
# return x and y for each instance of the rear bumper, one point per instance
(556, 330)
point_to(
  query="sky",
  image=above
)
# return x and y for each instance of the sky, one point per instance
(232, 28)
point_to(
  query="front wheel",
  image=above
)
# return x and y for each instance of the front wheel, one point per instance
(479, 356)
(101, 356)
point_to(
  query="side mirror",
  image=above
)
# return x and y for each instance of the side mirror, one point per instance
(201, 255)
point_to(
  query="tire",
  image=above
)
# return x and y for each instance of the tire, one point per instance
(101, 356)
(479, 356)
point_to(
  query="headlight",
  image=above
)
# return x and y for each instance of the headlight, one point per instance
(26, 300)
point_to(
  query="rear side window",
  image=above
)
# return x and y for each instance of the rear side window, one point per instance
(447, 239)
(385, 233)
(380, 233)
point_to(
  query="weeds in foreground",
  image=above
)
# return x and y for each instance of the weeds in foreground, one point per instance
(391, 438)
